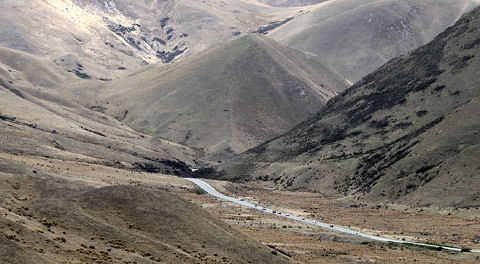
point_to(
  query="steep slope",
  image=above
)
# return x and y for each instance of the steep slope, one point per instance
(35, 120)
(408, 132)
(62, 32)
(227, 99)
(110, 37)
(357, 37)
(285, 3)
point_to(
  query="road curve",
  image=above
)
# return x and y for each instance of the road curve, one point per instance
(209, 189)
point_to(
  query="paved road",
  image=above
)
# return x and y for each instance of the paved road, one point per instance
(209, 189)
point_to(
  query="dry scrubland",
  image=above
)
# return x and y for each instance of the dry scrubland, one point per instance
(364, 35)
(407, 133)
(251, 90)
(395, 155)
(57, 212)
(309, 244)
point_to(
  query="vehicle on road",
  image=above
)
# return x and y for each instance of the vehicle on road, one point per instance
(331, 225)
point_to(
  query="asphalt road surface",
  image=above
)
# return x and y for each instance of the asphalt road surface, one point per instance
(209, 189)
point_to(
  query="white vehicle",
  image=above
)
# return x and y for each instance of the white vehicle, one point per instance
(303, 218)
(241, 199)
(287, 214)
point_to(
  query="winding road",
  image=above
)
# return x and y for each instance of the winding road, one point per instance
(209, 189)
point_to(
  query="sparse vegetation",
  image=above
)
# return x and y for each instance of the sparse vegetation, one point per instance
(199, 191)
(421, 113)
(271, 26)
(169, 56)
(91, 137)
(401, 109)
(120, 29)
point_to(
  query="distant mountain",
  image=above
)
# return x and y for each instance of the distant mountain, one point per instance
(408, 133)
(287, 3)
(111, 37)
(81, 46)
(36, 120)
(224, 100)
(357, 37)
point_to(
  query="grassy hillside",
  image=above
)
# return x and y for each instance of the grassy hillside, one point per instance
(357, 37)
(285, 3)
(406, 133)
(60, 31)
(109, 38)
(48, 218)
(226, 99)
(36, 120)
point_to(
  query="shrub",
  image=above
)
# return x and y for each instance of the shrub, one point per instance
(200, 191)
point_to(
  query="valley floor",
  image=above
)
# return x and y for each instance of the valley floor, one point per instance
(25, 178)
(309, 244)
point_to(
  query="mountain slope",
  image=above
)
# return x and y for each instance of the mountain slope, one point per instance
(36, 120)
(285, 3)
(111, 37)
(227, 99)
(60, 169)
(75, 222)
(59, 30)
(357, 37)
(408, 132)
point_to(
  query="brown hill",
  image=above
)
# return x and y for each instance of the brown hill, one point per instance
(50, 218)
(109, 38)
(36, 120)
(226, 99)
(285, 3)
(407, 133)
(357, 37)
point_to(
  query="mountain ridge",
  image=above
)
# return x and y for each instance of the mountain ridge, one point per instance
(37, 120)
(364, 35)
(370, 140)
(226, 99)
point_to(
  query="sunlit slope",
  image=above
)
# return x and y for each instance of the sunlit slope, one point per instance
(357, 37)
(35, 120)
